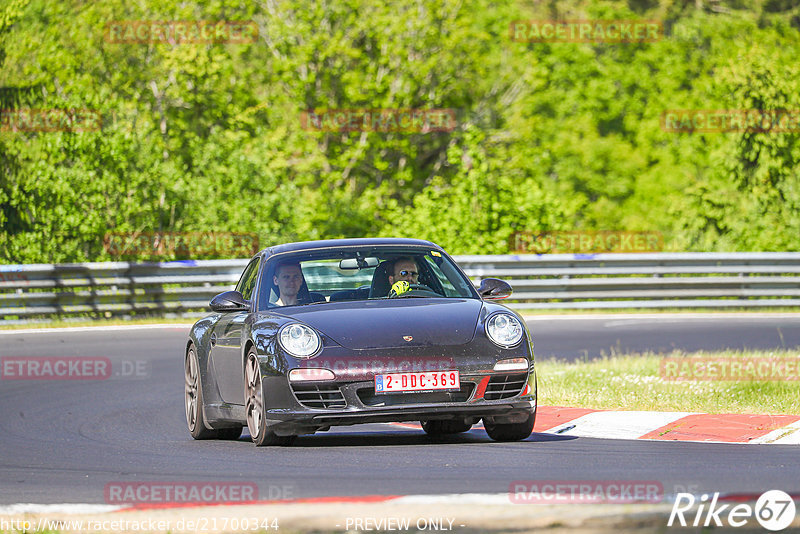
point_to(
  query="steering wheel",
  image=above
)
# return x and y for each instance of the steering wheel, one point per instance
(416, 290)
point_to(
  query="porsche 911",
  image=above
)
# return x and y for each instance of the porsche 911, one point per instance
(349, 331)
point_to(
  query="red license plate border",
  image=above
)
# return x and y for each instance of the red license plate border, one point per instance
(417, 373)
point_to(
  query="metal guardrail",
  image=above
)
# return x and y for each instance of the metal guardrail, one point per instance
(565, 281)
(114, 288)
(662, 280)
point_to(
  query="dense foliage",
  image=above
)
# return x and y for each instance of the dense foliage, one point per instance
(550, 136)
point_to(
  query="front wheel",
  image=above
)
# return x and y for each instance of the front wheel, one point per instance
(254, 406)
(511, 431)
(193, 398)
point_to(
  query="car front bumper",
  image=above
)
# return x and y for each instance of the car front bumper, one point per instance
(357, 406)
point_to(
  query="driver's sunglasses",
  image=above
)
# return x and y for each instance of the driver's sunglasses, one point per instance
(406, 273)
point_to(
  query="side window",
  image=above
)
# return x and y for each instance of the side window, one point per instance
(449, 289)
(248, 280)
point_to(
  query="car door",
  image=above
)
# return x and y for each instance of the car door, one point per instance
(226, 351)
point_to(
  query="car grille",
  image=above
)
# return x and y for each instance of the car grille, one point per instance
(369, 398)
(324, 396)
(505, 386)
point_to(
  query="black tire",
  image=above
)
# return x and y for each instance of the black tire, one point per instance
(254, 406)
(442, 428)
(193, 398)
(511, 431)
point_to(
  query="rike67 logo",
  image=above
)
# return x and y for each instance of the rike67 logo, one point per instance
(774, 510)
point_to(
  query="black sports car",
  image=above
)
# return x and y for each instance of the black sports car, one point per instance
(350, 331)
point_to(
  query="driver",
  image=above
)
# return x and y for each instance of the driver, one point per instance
(404, 272)
(289, 279)
(404, 269)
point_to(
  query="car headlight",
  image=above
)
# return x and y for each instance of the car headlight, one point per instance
(299, 340)
(504, 329)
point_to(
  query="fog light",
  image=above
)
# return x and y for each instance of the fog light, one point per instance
(303, 375)
(513, 364)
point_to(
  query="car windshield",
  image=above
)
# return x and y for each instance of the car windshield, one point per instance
(318, 277)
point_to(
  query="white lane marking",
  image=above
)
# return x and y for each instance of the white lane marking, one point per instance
(105, 328)
(788, 435)
(617, 425)
(65, 508)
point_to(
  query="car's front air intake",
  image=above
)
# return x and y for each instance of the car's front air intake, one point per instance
(325, 396)
(505, 386)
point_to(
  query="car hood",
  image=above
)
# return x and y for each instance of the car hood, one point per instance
(387, 323)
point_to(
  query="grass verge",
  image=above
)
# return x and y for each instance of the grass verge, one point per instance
(638, 382)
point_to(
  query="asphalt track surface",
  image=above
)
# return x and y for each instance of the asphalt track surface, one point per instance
(63, 441)
(571, 338)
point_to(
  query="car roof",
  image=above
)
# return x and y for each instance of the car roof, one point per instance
(338, 243)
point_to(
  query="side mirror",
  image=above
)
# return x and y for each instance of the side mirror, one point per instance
(229, 301)
(494, 289)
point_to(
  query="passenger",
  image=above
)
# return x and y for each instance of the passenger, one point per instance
(289, 279)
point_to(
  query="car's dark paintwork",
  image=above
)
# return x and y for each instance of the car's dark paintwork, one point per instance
(358, 338)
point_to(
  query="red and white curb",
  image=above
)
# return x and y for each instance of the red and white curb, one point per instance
(669, 426)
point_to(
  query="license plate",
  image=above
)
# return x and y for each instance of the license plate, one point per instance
(429, 381)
